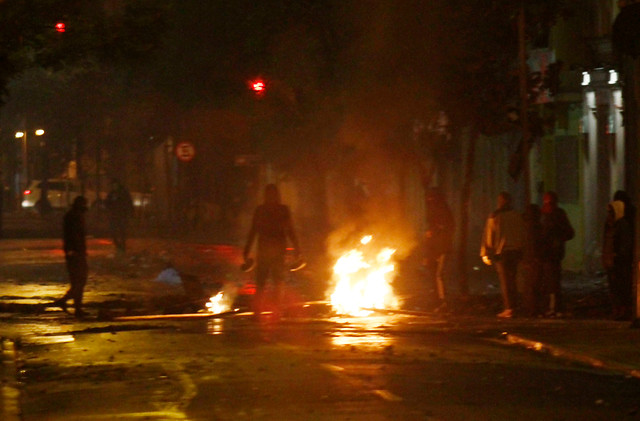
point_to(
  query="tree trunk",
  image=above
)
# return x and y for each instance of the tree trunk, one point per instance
(465, 201)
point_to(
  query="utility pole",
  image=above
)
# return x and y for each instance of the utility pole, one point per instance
(524, 102)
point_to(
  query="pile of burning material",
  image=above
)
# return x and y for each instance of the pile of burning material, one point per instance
(363, 278)
(182, 296)
(223, 301)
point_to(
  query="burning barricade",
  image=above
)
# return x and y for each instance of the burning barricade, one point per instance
(362, 280)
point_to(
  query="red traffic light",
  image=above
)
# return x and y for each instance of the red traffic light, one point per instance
(60, 27)
(258, 86)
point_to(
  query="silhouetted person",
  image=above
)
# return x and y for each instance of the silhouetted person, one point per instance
(531, 264)
(502, 247)
(438, 242)
(75, 253)
(120, 208)
(556, 230)
(629, 211)
(617, 260)
(272, 225)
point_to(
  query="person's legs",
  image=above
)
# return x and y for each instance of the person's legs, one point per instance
(262, 273)
(438, 282)
(122, 234)
(440, 261)
(78, 274)
(506, 266)
(278, 276)
(504, 287)
(113, 228)
(511, 260)
(62, 301)
(621, 290)
(552, 274)
(529, 293)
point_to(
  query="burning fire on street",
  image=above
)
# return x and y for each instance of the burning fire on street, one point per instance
(222, 302)
(362, 283)
(363, 279)
(216, 304)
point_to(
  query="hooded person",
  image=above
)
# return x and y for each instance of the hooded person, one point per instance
(629, 210)
(75, 253)
(272, 226)
(617, 260)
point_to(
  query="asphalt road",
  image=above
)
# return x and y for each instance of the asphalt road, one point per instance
(379, 368)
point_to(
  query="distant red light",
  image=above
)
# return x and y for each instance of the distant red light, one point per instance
(61, 27)
(258, 86)
(26, 192)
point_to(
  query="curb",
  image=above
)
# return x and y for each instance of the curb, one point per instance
(10, 405)
(571, 355)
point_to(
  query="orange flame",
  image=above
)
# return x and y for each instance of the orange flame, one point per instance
(219, 303)
(363, 281)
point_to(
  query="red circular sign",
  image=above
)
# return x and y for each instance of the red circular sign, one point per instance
(185, 151)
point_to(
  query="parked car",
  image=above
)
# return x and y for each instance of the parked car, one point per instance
(61, 193)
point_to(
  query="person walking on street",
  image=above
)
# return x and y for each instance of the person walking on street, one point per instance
(617, 260)
(120, 208)
(438, 242)
(531, 265)
(272, 225)
(502, 246)
(556, 231)
(75, 253)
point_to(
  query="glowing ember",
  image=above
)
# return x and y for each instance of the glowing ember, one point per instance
(363, 281)
(218, 303)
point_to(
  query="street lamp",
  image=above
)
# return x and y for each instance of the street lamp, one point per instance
(25, 166)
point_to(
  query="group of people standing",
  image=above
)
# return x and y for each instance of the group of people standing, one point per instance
(534, 242)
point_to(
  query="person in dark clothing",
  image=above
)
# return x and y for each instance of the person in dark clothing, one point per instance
(120, 207)
(531, 264)
(617, 259)
(438, 242)
(272, 225)
(502, 246)
(75, 252)
(629, 211)
(556, 230)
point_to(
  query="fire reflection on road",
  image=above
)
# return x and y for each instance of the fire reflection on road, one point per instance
(215, 326)
(362, 331)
